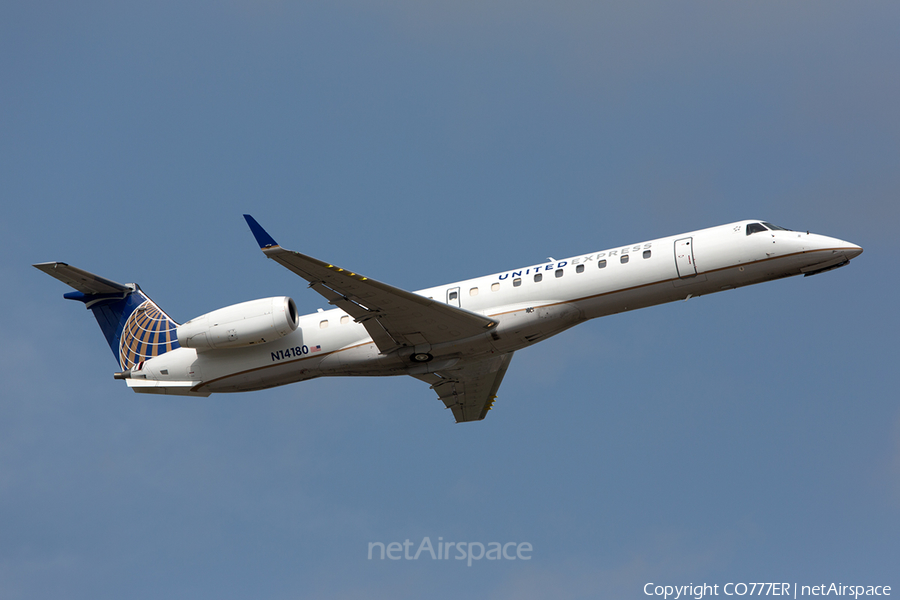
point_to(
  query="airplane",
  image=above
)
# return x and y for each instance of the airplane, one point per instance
(459, 338)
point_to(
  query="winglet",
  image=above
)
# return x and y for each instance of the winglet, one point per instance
(262, 237)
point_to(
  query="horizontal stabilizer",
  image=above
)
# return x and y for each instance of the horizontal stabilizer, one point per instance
(84, 282)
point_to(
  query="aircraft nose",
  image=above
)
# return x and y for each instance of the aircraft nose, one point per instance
(852, 250)
(848, 249)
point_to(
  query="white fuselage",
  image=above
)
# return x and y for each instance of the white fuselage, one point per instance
(530, 304)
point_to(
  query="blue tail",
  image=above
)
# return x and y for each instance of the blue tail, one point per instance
(134, 326)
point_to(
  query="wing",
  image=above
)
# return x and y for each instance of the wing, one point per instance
(469, 389)
(393, 317)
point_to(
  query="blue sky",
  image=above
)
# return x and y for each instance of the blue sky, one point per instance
(752, 435)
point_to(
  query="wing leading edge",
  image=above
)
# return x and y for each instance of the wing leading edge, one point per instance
(393, 317)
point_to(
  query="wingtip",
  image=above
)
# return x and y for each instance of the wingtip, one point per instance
(262, 237)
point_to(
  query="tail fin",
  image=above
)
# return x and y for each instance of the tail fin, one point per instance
(135, 327)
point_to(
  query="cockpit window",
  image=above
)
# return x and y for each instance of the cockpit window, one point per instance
(775, 227)
(755, 228)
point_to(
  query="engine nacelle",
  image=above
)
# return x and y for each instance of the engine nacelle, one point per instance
(240, 325)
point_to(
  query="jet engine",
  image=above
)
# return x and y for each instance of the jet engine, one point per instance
(240, 325)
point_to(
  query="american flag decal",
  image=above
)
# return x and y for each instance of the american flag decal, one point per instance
(315, 348)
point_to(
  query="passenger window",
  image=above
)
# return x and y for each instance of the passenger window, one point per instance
(454, 295)
(323, 324)
(602, 264)
(579, 269)
(623, 259)
(495, 287)
(559, 272)
(646, 254)
(538, 277)
(345, 319)
(517, 282)
(473, 292)
(755, 228)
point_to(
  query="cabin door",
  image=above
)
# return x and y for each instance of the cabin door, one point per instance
(453, 296)
(684, 258)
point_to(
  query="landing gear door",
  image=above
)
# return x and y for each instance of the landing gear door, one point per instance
(684, 258)
(453, 297)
